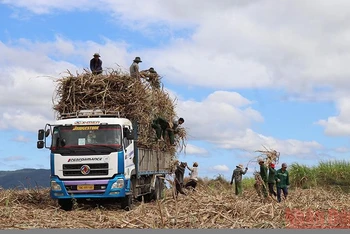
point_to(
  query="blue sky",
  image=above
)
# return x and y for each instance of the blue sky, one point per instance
(245, 74)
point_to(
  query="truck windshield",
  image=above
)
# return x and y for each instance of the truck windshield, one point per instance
(92, 139)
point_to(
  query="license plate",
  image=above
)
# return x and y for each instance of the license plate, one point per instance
(85, 187)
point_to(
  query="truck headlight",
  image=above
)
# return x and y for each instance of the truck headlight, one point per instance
(55, 186)
(118, 184)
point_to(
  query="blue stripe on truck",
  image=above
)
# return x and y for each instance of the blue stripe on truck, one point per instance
(52, 163)
(121, 162)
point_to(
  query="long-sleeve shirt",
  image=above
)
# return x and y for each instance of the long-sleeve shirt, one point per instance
(95, 65)
(194, 173)
(134, 70)
(263, 172)
(271, 177)
(283, 176)
(237, 174)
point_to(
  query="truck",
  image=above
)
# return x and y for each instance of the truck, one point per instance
(94, 155)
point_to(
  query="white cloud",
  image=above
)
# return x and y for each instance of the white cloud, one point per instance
(225, 123)
(21, 138)
(252, 44)
(342, 150)
(29, 74)
(338, 125)
(195, 150)
(219, 168)
(253, 141)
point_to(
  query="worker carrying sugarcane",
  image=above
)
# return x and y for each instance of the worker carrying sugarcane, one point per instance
(179, 178)
(164, 127)
(237, 176)
(263, 174)
(153, 77)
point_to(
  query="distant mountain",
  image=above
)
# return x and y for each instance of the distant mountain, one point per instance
(25, 178)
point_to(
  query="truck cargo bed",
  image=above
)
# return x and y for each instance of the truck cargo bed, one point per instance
(152, 161)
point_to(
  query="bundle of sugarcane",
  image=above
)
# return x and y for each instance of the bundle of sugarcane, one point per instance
(119, 92)
(269, 156)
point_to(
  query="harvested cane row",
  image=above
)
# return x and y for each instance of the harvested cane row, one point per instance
(118, 92)
(211, 206)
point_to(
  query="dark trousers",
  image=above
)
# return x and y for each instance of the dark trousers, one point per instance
(179, 187)
(191, 183)
(97, 72)
(271, 189)
(285, 193)
(161, 126)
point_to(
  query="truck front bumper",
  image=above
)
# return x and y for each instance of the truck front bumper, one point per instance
(110, 188)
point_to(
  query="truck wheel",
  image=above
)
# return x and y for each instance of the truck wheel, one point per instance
(66, 204)
(156, 193)
(161, 189)
(126, 203)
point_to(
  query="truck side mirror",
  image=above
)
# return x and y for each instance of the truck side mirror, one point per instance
(40, 144)
(129, 134)
(41, 133)
(47, 133)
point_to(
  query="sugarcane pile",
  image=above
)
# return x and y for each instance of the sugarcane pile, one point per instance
(116, 91)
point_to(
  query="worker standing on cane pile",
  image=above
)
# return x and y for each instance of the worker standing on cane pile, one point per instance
(263, 174)
(134, 68)
(96, 64)
(237, 176)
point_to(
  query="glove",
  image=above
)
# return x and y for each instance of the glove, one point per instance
(246, 168)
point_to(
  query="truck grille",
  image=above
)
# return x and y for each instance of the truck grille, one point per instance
(75, 169)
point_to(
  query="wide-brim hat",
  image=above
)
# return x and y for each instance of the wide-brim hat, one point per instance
(97, 55)
(152, 70)
(195, 164)
(240, 166)
(137, 59)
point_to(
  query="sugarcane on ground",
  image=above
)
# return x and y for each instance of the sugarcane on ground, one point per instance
(213, 205)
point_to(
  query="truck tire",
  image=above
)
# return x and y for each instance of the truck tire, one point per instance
(127, 201)
(161, 189)
(66, 204)
(157, 194)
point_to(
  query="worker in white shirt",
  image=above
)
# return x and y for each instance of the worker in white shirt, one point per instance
(193, 176)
